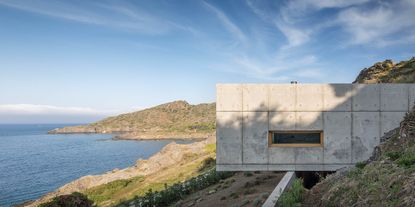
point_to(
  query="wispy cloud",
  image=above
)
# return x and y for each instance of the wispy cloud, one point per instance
(226, 22)
(295, 10)
(295, 36)
(126, 17)
(279, 68)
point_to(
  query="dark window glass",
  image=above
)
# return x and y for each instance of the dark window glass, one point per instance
(296, 138)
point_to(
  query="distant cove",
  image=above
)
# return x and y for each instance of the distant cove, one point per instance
(33, 163)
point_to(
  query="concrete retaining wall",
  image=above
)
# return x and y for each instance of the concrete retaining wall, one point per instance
(353, 117)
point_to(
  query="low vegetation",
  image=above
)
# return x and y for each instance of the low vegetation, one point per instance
(73, 200)
(173, 193)
(293, 196)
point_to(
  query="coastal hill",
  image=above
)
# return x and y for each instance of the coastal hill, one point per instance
(177, 119)
(387, 178)
(388, 72)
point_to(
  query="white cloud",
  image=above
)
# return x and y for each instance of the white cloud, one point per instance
(33, 109)
(226, 22)
(384, 24)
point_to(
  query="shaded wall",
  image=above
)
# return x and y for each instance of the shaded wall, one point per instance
(353, 117)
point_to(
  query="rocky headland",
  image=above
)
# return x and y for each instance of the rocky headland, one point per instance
(174, 120)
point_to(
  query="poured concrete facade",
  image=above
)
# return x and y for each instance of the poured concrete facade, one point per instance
(352, 117)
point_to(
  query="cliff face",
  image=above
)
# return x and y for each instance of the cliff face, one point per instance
(171, 120)
(388, 72)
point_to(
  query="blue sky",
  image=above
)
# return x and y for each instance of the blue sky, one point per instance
(78, 61)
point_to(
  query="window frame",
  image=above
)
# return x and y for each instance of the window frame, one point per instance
(271, 144)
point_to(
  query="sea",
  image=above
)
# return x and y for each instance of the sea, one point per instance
(33, 163)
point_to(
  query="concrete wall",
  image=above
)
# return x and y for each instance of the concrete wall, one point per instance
(353, 117)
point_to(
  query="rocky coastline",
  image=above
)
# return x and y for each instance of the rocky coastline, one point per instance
(168, 157)
(133, 135)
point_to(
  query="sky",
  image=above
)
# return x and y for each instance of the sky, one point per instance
(79, 61)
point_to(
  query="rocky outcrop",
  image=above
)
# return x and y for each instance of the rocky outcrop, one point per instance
(388, 72)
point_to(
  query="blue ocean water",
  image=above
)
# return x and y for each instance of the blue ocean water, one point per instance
(33, 163)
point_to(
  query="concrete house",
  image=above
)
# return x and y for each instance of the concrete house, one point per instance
(304, 127)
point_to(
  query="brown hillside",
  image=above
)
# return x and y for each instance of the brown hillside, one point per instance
(175, 118)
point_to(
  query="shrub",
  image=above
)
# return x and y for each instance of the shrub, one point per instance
(248, 174)
(264, 195)
(407, 159)
(211, 148)
(249, 191)
(360, 165)
(244, 202)
(207, 164)
(393, 155)
(73, 200)
(293, 196)
(234, 195)
(256, 202)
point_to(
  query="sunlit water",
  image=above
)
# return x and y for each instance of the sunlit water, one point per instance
(33, 163)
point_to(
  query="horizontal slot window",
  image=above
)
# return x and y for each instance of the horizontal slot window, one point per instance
(296, 138)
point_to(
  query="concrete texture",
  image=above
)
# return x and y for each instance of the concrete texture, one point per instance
(281, 155)
(366, 134)
(255, 137)
(308, 155)
(229, 97)
(411, 96)
(392, 96)
(282, 97)
(255, 97)
(337, 137)
(366, 97)
(337, 97)
(282, 121)
(390, 120)
(309, 121)
(229, 137)
(309, 97)
(352, 117)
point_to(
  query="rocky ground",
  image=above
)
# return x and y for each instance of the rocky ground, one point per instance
(249, 189)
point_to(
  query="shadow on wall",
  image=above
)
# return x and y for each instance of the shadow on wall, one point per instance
(353, 117)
